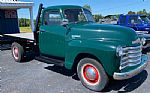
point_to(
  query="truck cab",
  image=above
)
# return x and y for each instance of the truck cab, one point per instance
(141, 24)
(68, 35)
(137, 22)
(57, 23)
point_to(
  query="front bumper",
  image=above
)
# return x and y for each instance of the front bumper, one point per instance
(147, 45)
(130, 74)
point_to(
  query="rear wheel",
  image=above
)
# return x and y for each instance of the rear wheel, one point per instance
(17, 52)
(92, 74)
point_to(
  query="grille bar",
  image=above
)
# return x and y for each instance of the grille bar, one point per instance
(134, 48)
(132, 61)
(131, 57)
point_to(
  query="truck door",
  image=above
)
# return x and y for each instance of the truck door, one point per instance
(122, 20)
(1, 15)
(0, 24)
(52, 34)
(133, 22)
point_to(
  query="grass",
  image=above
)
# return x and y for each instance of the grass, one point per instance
(25, 29)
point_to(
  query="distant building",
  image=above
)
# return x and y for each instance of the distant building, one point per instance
(109, 19)
(9, 17)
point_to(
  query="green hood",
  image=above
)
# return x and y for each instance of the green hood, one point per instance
(109, 33)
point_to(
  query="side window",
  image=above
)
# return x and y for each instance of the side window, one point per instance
(134, 20)
(123, 20)
(74, 15)
(52, 17)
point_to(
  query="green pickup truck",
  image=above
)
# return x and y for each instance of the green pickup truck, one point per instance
(68, 36)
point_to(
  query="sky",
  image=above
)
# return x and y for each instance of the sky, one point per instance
(104, 7)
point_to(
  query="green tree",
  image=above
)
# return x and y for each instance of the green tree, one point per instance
(87, 7)
(144, 12)
(23, 22)
(131, 12)
(148, 15)
(97, 17)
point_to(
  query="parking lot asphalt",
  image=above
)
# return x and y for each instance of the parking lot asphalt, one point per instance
(38, 77)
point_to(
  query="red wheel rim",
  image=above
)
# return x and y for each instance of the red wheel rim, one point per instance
(91, 74)
(16, 52)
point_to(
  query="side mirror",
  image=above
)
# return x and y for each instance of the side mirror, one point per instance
(65, 22)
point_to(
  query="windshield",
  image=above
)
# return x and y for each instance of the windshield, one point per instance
(145, 19)
(134, 20)
(88, 15)
(78, 15)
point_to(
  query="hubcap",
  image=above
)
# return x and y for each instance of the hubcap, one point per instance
(91, 73)
(16, 52)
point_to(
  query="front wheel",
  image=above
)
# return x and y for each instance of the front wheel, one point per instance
(92, 74)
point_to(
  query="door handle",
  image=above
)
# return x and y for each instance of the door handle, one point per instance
(75, 36)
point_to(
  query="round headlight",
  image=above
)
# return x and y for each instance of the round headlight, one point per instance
(143, 41)
(119, 51)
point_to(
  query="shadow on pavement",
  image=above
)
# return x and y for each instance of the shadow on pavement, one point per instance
(5, 47)
(29, 56)
(120, 86)
(128, 85)
(63, 71)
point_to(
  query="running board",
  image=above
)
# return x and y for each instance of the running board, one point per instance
(50, 60)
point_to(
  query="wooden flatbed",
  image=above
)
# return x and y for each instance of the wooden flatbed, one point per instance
(28, 36)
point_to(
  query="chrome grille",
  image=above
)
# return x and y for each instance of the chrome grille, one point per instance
(131, 57)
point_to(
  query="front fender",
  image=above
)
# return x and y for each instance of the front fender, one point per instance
(103, 50)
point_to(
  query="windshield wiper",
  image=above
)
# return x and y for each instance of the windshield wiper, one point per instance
(79, 22)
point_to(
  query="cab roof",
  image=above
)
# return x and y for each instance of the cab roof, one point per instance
(63, 7)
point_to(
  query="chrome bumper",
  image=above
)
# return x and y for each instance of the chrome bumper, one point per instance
(130, 74)
(146, 46)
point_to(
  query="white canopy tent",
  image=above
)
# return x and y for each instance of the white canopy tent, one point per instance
(15, 4)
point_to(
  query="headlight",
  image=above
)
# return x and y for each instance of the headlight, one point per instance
(147, 28)
(119, 51)
(143, 41)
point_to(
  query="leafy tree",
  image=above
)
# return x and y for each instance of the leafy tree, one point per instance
(97, 17)
(23, 22)
(131, 12)
(144, 12)
(87, 7)
(148, 15)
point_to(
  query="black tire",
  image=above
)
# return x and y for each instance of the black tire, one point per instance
(144, 51)
(17, 52)
(98, 81)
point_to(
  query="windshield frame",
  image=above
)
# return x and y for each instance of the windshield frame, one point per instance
(143, 21)
(82, 10)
